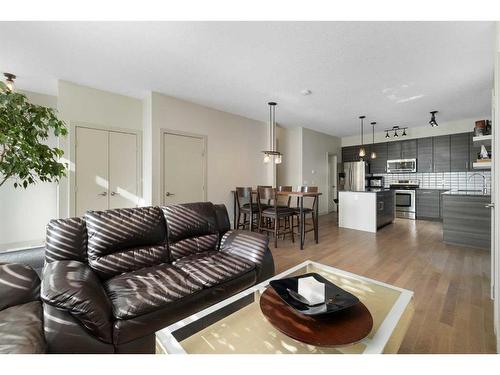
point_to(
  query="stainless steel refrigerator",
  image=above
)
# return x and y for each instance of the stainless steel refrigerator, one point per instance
(355, 175)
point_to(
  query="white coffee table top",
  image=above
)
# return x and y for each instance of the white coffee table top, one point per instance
(236, 325)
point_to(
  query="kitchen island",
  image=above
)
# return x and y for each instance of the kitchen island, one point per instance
(467, 218)
(366, 210)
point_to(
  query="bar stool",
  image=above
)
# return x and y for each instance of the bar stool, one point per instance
(308, 210)
(246, 206)
(269, 218)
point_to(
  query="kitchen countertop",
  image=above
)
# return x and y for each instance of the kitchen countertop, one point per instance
(467, 193)
(369, 190)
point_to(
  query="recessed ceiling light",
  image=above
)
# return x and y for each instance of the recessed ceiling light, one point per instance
(306, 92)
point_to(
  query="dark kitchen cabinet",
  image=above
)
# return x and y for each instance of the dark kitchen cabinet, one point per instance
(393, 150)
(379, 164)
(385, 207)
(459, 149)
(409, 149)
(441, 153)
(428, 204)
(350, 153)
(424, 155)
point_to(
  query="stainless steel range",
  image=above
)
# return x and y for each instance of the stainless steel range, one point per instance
(405, 198)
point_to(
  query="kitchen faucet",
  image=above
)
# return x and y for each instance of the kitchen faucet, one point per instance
(485, 190)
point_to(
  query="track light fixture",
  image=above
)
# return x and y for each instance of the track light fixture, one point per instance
(433, 121)
(396, 130)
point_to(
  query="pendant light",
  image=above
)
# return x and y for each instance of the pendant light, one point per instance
(269, 154)
(373, 154)
(362, 151)
(387, 134)
(433, 121)
(9, 81)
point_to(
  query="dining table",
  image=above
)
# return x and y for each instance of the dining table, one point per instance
(298, 194)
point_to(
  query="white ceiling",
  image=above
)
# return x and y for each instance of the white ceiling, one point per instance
(392, 72)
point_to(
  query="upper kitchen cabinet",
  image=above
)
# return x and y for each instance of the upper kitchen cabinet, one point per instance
(441, 153)
(379, 164)
(350, 153)
(460, 154)
(393, 150)
(424, 155)
(409, 149)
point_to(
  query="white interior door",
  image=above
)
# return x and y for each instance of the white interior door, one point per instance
(91, 163)
(183, 169)
(332, 183)
(123, 159)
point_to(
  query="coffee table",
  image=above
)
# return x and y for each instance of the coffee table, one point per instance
(237, 325)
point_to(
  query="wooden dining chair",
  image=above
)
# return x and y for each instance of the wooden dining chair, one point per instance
(308, 208)
(271, 217)
(246, 208)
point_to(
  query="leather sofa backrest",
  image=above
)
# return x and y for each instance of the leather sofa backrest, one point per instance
(125, 239)
(191, 228)
(66, 240)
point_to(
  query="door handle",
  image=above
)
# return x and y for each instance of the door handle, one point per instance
(169, 194)
(490, 205)
(103, 194)
(113, 193)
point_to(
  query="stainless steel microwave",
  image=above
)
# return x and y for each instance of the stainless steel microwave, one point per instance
(402, 166)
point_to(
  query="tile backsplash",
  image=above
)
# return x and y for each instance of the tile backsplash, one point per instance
(445, 180)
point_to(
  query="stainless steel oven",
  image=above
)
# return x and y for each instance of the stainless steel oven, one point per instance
(402, 166)
(406, 198)
(405, 204)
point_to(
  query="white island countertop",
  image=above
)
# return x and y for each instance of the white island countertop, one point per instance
(358, 209)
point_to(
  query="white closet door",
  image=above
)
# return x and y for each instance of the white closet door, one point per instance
(91, 164)
(123, 170)
(183, 169)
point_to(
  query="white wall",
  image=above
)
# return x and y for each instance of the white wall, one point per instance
(289, 142)
(453, 127)
(80, 104)
(315, 149)
(25, 212)
(234, 145)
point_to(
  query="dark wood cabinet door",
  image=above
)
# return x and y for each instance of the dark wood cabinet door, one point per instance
(379, 164)
(428, 204)
(459, 150)
(441, 154)
(409, 149)
(424, 155)
(393, 150)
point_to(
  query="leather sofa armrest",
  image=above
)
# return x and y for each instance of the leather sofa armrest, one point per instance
(248, 245)
(73, 286)
(19, 284)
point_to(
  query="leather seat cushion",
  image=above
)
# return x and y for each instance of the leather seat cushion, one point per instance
(214, 267)
(21, 329)
(305, 210)
(281, 211)
(125, 331)
(148, 289)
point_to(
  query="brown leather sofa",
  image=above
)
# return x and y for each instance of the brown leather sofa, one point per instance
(21, 323)
(114, 278)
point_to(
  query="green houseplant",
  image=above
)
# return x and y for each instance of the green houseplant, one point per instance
(24, 127)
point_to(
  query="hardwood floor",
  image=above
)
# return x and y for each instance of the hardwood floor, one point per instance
(453, 309)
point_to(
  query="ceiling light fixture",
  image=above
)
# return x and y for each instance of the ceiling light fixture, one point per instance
(268, 155)
(433, 121)
(362, 151)
(9, 81)
(373, 154)
(395, 129)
